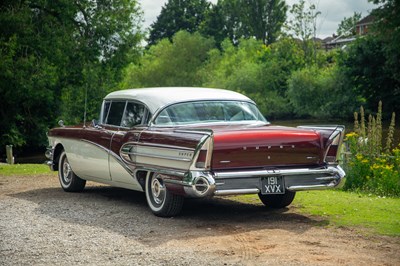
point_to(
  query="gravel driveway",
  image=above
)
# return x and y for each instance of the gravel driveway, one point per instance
(42, 225)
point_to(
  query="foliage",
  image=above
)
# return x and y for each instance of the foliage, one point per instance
(253, 69)
(347, 26)
(372, 62)
(167, 63)
(243, 19)
(263, 18)
(372, 167)
(177, 15)
(304, 27)
(364, 66)
(50, 52)
(387, 29)
(320, 93)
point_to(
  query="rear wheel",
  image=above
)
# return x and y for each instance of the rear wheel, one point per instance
(277, 201)
(161, 202)
(69, 181)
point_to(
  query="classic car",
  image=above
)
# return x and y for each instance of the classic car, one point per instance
(173, 143)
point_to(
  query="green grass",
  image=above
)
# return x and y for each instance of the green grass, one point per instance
(23, 169)
(378, 215)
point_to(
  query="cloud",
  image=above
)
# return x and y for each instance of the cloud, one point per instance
(332, 12)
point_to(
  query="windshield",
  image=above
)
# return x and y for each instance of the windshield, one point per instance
(209, 112)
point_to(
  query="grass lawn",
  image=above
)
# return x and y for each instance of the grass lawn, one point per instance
(23, 169)
(379, 215)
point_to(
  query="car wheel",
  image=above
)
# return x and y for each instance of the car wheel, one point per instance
(277, 201)
(69, 181)
(161, 202)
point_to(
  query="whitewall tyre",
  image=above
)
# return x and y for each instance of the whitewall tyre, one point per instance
(161, 202)
(69, 181)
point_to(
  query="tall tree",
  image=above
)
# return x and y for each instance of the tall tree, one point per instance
(178, 15)
(259, 19)
(347, 26)
(304, 27)
(54, 50)
(372, 63)
(387, 28)
(171, 63)
(264, 18)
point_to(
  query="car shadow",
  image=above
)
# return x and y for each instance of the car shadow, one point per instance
(126, 212)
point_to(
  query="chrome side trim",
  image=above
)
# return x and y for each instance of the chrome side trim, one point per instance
(158, 156)
(160, 146)
(164, 171)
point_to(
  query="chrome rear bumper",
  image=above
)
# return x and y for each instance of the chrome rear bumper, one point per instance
(202, 184)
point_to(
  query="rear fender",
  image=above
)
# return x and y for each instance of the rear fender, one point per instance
(331, 140)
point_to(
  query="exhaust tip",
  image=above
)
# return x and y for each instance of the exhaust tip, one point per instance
(201, 185)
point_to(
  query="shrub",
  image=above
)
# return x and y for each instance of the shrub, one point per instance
(371, 167)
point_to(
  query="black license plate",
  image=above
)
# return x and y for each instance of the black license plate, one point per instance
(272, 185)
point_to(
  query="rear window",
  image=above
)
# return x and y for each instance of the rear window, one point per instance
(209, 112)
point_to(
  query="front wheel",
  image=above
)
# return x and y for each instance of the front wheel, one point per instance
(277, 201)
(161, 202)
(69, 181)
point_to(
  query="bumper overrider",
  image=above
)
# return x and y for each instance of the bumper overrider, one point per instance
(50, 156)
(206, 184)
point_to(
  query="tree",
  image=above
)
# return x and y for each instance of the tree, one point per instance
(364, 66)
(214, 24)
(371, 63)
(347, 26)
(304, 27)
(321, 93)
(259, 19)
(50, 52)
(387, 29)
(178, 15)
(171, 63)
(264, 18)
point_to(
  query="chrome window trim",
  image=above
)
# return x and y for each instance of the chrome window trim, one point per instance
(162, 108)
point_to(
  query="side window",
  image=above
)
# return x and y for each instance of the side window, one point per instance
(104, 114)
(115, 113)
(135, 114)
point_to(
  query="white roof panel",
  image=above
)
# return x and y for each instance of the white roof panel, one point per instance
(156, 98)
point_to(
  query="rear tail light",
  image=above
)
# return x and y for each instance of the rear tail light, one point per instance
(332, 151)
(201, 159)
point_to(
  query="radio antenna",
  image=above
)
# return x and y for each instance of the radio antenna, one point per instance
(84, 114)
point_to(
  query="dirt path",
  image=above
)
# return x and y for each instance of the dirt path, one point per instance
(41, 224)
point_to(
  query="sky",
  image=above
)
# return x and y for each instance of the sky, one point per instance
(332, 12)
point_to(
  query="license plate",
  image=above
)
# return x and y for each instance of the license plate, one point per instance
(272, 185)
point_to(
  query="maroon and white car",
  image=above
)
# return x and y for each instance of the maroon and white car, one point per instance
(174, 143)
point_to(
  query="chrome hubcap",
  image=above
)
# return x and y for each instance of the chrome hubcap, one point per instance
(157, 190)
(66, 171)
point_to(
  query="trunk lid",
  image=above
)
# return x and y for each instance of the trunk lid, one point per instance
(265, 147)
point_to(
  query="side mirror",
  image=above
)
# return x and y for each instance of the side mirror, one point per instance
(61, 123)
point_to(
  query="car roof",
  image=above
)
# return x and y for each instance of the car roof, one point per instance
(156, 98)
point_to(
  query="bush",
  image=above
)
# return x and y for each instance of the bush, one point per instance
(371, 167)
(320, 92)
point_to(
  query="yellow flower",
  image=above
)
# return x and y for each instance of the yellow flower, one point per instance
(351, 134)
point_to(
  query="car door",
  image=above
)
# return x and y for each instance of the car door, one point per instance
(94, 149)
(134, 121)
